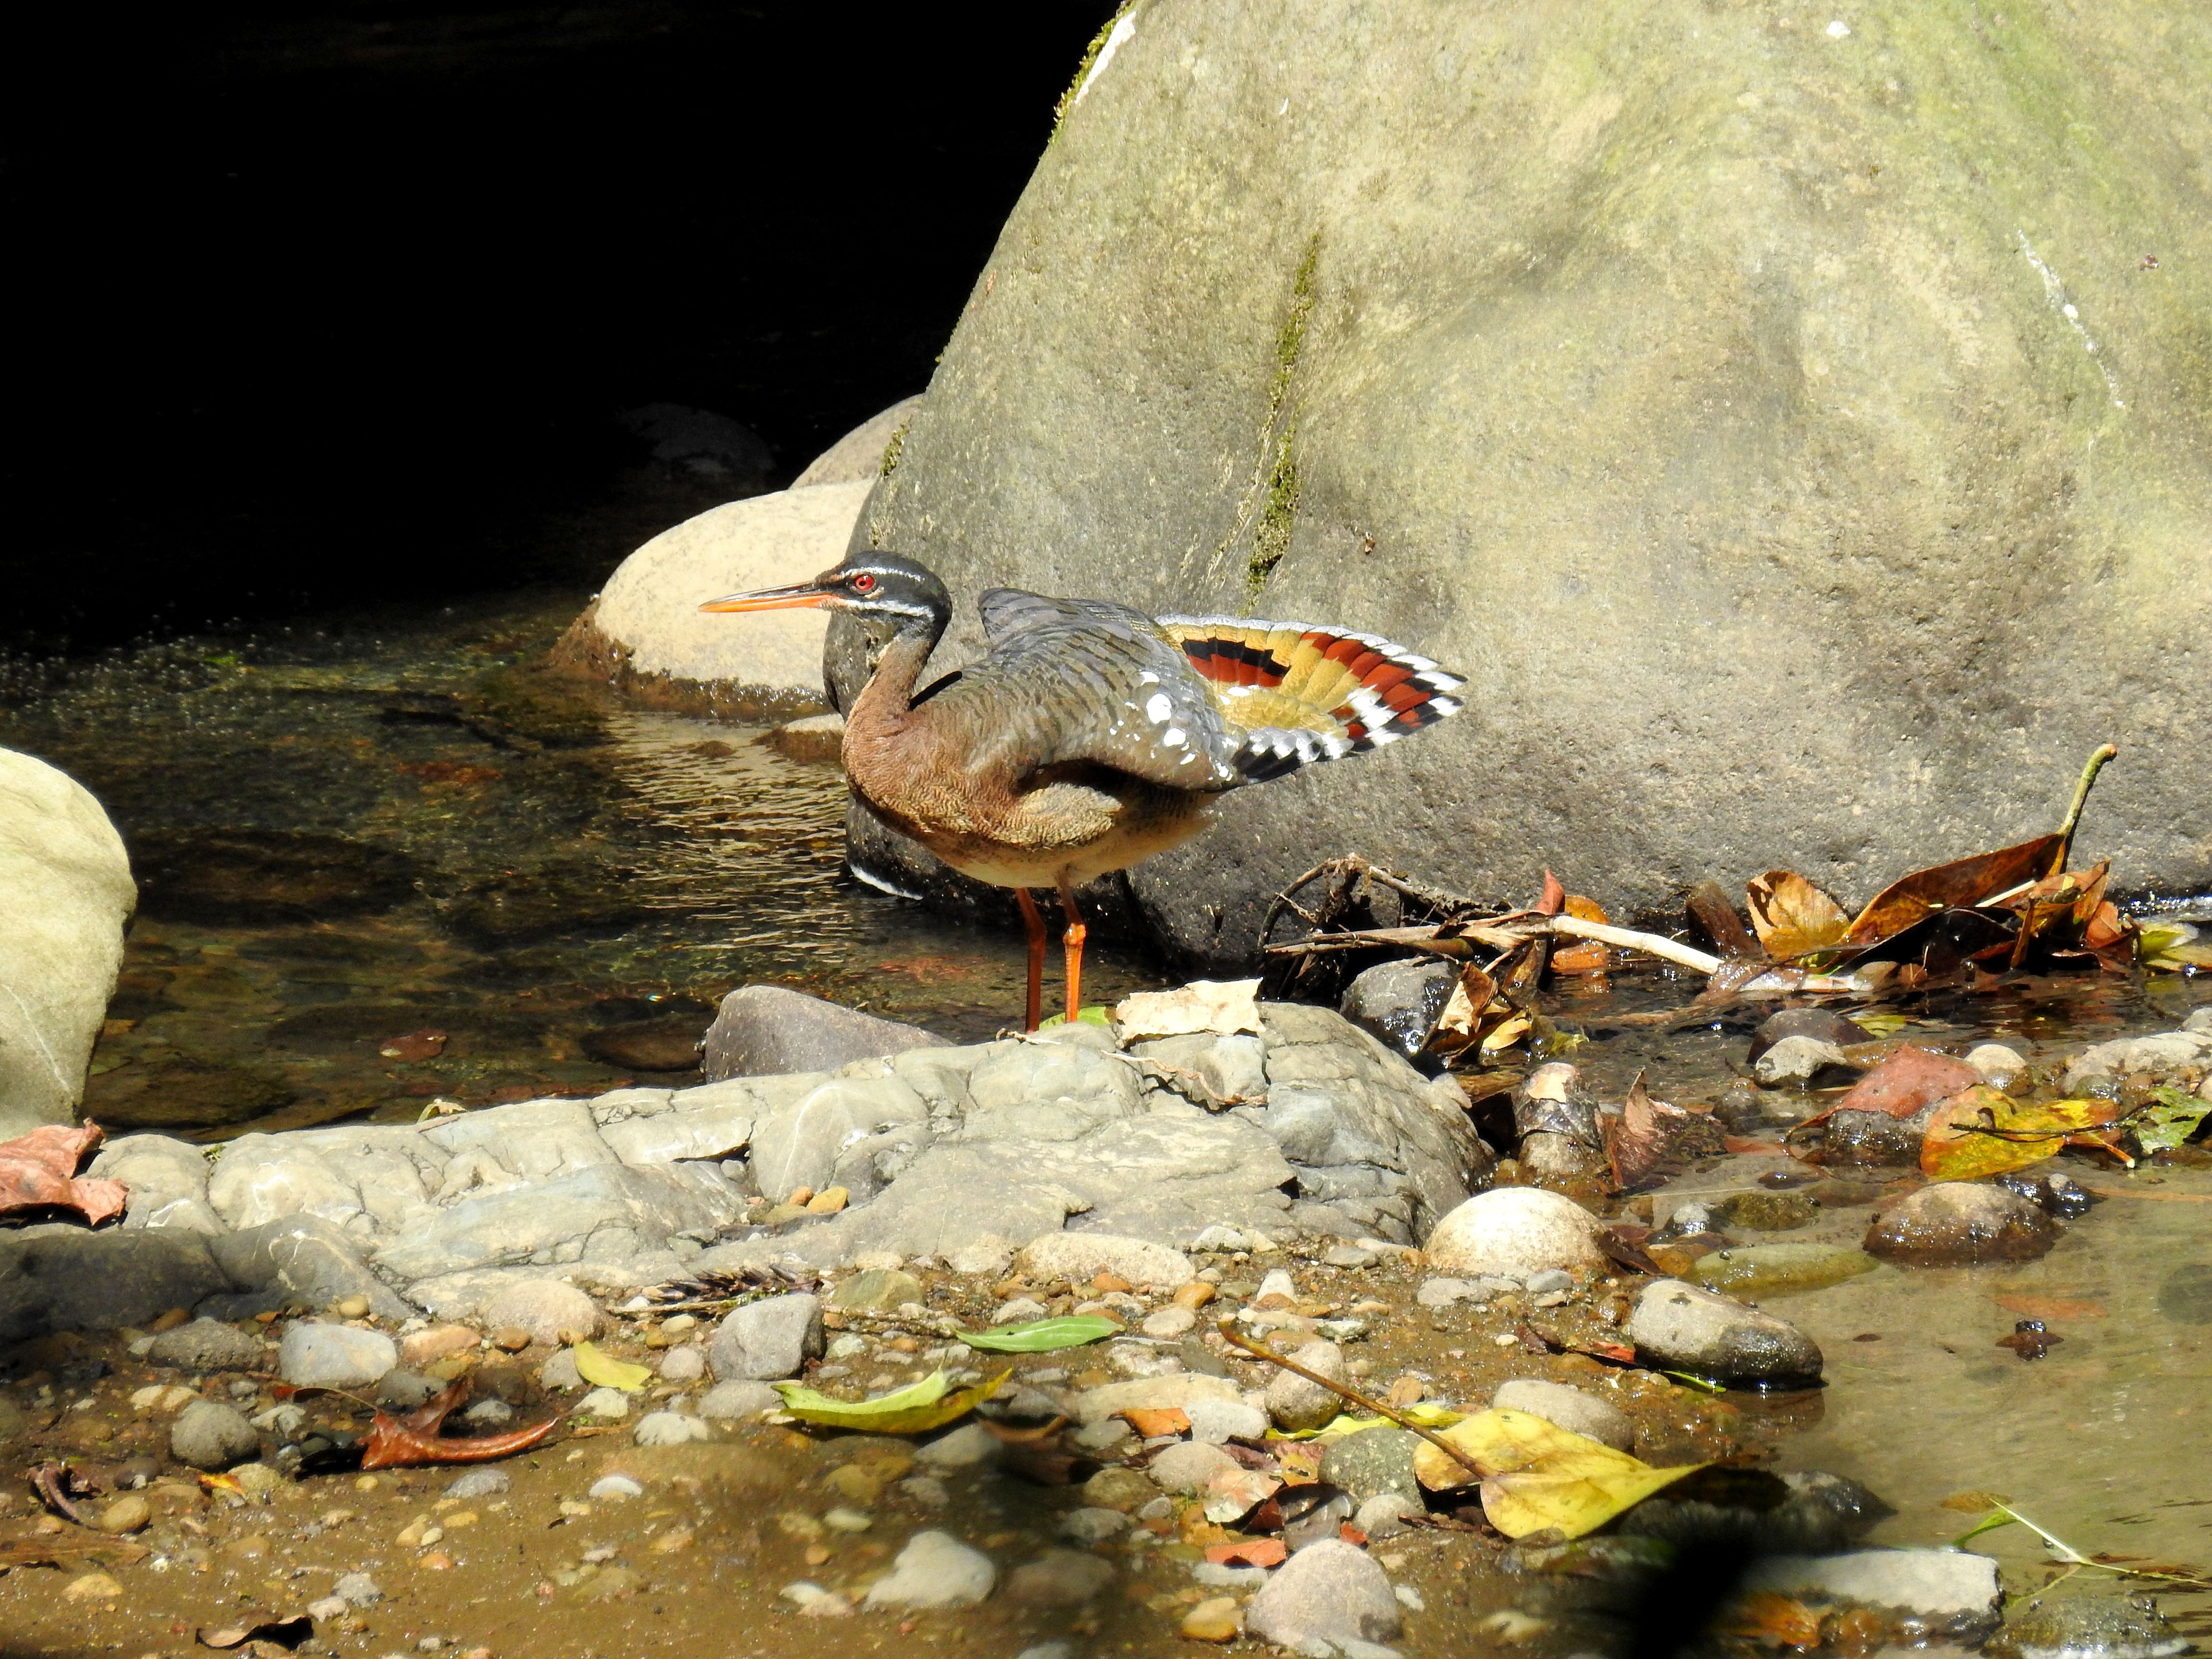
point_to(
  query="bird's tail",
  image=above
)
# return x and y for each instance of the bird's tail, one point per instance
(1301, 693)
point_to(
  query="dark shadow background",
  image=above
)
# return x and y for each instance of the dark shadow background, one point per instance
(318, 304)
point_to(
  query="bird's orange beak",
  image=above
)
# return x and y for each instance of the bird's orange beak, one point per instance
(798, 595)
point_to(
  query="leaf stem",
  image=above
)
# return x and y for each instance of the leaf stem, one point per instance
(2096, 764)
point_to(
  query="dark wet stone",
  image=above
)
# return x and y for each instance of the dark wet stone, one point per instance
(182, 1094)
(668, 1044)
(1819, 1023)
(1875, 1139)
(534, 904)
(61, 1277)
(258, 877)
(2078, 1622)
(2185, 1297)
(1400, 1001)
(1767, 1212)
(1957, 1221)
(764, 1029)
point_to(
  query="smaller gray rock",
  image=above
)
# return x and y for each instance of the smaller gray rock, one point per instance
(1550, 1280)
(1569, 1408)
(544, 1308)
(1293, 1402)
(1081, 1256)
(964, 1447)
(616, 1489)
(1330, 1591)
(1796, 1059)
(729, 1402)
(1400, 1002)
(559, 1372)
(1443, 1292)
(935, 1570)
(207, 1345)
(209, 1435)
(359, 1588)
(1953, 1221)
(1383, 1516)
(1997, 1062)
(405, 1390)
(684, 1364)
(489, 1414)
(2077, 1622)
(671, 1429)
(317, 1356)
(1188, 1465)
(1060, 1578)
(307, 1260)
(1372, 1462)
(1678, 1326)
(766, 1340)
(765, 1030)
(480, 1483)
(1348, 1255)
(1215, 1421)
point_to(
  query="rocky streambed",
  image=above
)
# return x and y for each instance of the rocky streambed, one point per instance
(1840, 1339)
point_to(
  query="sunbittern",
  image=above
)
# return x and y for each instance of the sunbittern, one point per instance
(1091, 736)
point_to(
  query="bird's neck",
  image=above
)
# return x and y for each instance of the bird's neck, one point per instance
(887, 700)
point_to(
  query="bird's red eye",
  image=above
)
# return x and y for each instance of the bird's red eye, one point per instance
(864, 583)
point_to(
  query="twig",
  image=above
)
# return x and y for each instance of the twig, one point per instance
(1261, 1350)
(2096, 764)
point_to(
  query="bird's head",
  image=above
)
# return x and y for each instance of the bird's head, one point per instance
(878, 587)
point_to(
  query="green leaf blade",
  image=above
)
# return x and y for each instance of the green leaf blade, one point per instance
(1044, 1335)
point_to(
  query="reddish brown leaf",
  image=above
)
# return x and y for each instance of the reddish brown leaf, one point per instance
(284, 1632)
(1554, 897)
(1249, 1552)
(1909, 1080)
(413, 1441)
(1960, 885)
(1150, 1423)
(1585, 909)
(1588, 958)
(2050, 1307)
(37, 1171)
(1651, 1140)
(1791, 915)
(1709, 908)
(416, 1045)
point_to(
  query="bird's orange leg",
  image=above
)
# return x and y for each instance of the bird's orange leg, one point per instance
(1072, 942)
(1034, 921)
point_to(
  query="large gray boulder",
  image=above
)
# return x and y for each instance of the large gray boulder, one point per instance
(67, 888)
(1797, 432)
(862, 454)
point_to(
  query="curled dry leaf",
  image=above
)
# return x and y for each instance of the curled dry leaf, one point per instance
(284, 1632)
(414, 1046)
(412, 1441)
(1792, 916)
(1709, 908)
(1650, 1140)
(1959, 886)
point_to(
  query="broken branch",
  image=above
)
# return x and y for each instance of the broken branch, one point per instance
(1261, 1350)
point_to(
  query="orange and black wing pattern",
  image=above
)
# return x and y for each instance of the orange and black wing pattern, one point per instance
(1301, 693)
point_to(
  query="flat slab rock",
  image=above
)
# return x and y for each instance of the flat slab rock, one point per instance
(1312, 1127)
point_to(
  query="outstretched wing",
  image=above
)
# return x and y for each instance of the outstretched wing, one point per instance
(1086, 681)
(1296, 694)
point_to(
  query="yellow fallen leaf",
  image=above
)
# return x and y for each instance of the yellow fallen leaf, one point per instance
(1985, 1132)
(914, 1409)
(603, 1370)
(1537, 1475)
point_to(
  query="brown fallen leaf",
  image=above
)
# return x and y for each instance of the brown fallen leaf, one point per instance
(412, 1441)
(56, 1483)
(1909, 1080)
(38, 1171)
(2049, 1307)
(1709, 908)
(1960, 885)
(1773, 1619)
(415, 1045)
(1792, 916)
(72, 1552)
(1651, 1141)
(1249, 1553)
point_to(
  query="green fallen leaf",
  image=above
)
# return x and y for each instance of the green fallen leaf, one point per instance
(2170, 1122)
(1044, 1335)
(1096, 1014)
(914, 1409)
(603, 1370)
(1880, 1026)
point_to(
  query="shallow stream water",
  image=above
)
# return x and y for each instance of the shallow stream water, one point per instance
(351, 840)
